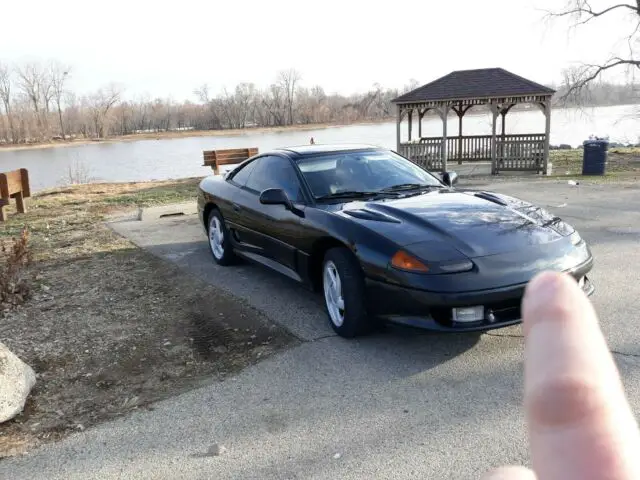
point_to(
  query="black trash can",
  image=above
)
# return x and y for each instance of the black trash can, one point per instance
(594, 157)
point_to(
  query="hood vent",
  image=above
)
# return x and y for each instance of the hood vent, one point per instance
(366, 214)
(492, 198)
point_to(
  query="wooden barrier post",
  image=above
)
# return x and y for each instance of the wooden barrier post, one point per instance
(14, 184)
(216, 158)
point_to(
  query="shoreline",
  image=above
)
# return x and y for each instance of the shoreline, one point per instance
(172, 135)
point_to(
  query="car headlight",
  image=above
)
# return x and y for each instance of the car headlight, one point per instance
(576, 239)
(405, 261)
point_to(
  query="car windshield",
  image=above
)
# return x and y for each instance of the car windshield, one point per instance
(368, 172)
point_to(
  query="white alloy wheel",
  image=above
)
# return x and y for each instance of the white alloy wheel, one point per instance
(216, 237)
(333, 293)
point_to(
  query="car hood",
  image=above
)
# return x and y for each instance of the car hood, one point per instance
(475, 223)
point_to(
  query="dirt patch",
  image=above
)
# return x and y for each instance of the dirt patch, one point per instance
(110, 328)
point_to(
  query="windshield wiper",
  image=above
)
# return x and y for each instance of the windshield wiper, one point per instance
(409, 186)
(347, 194)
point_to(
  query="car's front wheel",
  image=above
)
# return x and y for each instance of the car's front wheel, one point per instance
(219, 239)
(344, 293)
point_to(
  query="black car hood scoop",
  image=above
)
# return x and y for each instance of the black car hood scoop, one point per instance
(367, 214)
(491, 198)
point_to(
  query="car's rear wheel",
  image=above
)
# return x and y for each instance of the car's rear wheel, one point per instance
(344, 293)
(219, 239)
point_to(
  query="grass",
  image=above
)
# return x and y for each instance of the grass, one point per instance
(66, 222)
(108, 327)
(620, 161)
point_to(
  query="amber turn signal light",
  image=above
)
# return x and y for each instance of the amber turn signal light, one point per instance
(404, 261)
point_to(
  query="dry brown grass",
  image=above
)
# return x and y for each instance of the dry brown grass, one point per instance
(620, 161)
(108, 327)
(66, 222)
(15, 257)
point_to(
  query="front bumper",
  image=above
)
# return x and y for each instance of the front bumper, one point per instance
(433, 310)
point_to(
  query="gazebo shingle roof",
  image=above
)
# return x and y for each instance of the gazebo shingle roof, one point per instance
(471, 84)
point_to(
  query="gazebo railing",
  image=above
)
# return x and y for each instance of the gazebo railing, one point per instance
(467, 148)
(520, 152)
(513, 152)
(427, 154)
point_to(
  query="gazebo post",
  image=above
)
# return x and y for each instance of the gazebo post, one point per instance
(444, 113)
(398, 124)
(421, 114)
(503, 113)
(410, 120)
(460, 115)
(547, 133)
(460, 111)
(494, 160)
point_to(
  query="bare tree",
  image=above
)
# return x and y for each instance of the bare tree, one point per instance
(5, 97)
(288, 81)
(579, 80)
(245, 94)
(276, 105)
(202, 93)
(30, 81)
(34, 82)
(100, 104)
(236, 107)
(412, 85)
(72, 114)
(59, 75)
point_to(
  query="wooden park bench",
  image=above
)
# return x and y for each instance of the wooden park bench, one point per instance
(231, 156)
(14, 184)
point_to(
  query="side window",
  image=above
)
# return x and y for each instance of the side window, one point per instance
(276, 172)
(241, 176)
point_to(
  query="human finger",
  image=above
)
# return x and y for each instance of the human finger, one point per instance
(580, 424)
(510, 473)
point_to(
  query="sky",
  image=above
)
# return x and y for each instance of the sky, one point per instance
(168, 49)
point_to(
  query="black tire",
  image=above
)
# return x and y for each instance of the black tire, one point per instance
(355, 320)
(226, 256)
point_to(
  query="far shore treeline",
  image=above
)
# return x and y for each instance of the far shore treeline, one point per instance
(37, 105)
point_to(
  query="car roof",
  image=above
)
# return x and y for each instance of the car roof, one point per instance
(327, 148)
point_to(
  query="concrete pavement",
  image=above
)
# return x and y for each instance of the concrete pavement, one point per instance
(399, 404)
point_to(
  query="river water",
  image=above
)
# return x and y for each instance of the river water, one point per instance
(182, 157)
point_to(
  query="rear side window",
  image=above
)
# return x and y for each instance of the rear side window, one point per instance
(241, 176)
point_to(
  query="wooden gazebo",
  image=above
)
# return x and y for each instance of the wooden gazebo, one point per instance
(492, 88)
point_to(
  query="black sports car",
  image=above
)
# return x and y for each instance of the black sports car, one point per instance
(384, 239)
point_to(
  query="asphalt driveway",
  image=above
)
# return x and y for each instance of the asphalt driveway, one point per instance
(398, 404)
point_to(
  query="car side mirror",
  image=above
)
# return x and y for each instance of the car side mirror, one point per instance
(450, 178)
(275, 196)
